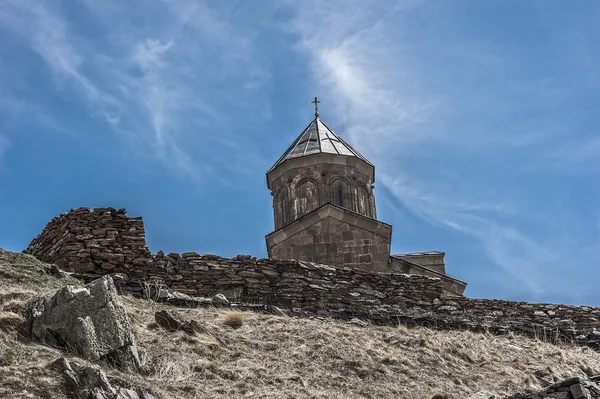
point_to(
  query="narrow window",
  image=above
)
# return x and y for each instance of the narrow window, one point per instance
(282, 209)
(364, 206)
(340, 193)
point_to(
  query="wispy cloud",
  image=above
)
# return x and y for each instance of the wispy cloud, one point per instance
(431, 108)
(470, 129)
(160, 85)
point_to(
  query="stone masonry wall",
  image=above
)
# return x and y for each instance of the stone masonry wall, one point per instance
(113, 243)
(334, 242)
(92, 241)
(290, 187)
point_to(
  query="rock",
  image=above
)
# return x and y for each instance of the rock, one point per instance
(175, 321)
(220, 299)
(84, 267)
(163, 294)
(180, 296)
(558, 395)
(187, 255)
(81, 380)
(107, 266)
(89, 321)
(579, 392)
(358, 322)
(84, 381)
(120, 277)
(571, 388)
(177, 298)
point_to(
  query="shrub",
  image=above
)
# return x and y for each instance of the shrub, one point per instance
(234, 319)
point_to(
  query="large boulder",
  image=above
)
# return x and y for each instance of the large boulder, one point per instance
(89, 321)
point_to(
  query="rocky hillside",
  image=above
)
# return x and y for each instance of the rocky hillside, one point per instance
(218, 352)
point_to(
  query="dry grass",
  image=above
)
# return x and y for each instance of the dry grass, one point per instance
(283, 357)
(22, 365)
(402, 329)
(234, 319)
(275, 357)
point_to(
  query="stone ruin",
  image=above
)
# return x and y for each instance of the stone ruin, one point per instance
(93, 243)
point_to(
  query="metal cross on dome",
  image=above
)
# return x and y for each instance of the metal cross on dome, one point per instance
(316, 102)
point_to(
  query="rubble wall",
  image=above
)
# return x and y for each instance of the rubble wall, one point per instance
(106, 240)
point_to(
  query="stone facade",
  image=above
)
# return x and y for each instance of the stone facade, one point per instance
(307, 184)
(310, 289)
(317, 172)
(432, 260)
(324, 211)
(334, 236)
(427, 264)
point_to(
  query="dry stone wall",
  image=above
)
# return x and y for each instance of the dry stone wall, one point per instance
(92, 241)
(106, 240)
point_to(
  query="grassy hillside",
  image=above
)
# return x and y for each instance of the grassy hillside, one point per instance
(282, 357)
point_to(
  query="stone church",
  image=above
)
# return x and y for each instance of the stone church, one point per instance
(324, 209)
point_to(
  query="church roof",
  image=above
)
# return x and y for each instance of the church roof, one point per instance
(315, 139)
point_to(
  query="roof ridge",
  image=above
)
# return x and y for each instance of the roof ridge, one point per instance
(318, 135)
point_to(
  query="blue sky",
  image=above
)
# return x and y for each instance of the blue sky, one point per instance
(480, 116)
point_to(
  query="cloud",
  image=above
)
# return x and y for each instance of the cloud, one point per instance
(159, 81)
(406, 85)
(576, 156)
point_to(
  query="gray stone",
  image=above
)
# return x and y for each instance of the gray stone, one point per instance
(89, 321)
(220, 299)
(358, 322)
(84, 381)
(163, 294)
(580, 392)
(558, 395)
(120, 277)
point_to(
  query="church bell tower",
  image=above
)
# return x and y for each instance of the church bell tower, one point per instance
(324, 205)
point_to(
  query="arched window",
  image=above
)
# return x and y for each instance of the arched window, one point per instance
(341, 194)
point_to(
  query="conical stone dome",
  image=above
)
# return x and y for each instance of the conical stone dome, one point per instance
(315, 139)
